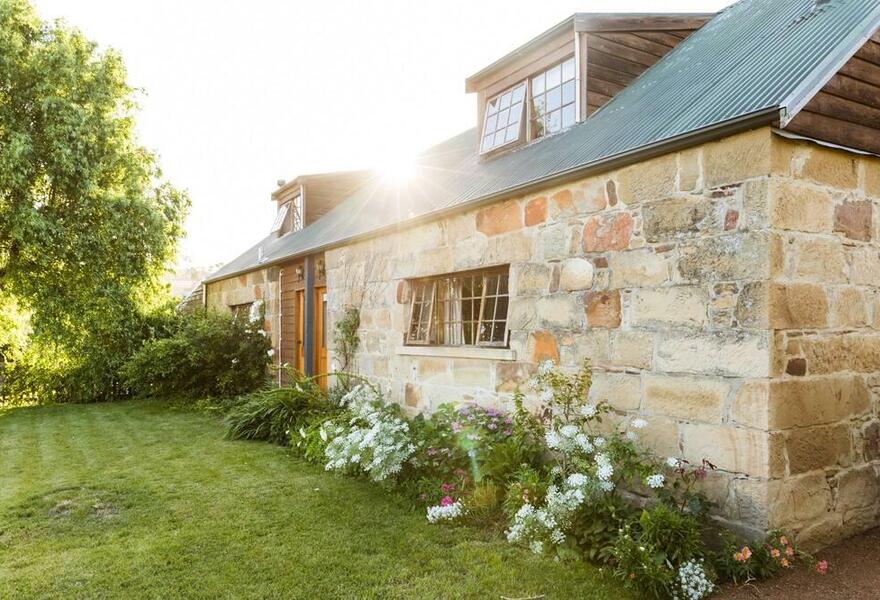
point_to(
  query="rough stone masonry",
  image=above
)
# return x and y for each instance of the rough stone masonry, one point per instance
(727, 293)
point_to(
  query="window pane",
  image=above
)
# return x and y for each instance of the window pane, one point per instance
(499, 138)
(492, 108)
(568, 116)
(538, 85)
(518, 94)
(512, 133)
(568, 69)
(538, 106)
(502, 118)
(515, 113)
(554, 99)
(505, 100)
(568, 92)
(554, 76)
(488, 308)
(502, 287)
(501, 308)
(490, 122)
(554, 121)
(487, 143)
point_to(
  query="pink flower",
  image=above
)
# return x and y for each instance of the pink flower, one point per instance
(446, 501)
(508, 421)
(775, 553)
(784, 562)
(508, 432)
(446, 487)
(783, 540)
(789, 551)
(456, 426)
(822, 567)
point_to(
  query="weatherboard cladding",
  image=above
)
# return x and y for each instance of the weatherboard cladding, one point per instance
(755, 57)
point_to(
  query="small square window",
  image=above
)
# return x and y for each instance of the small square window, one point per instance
(278, 223)
(554, 97)
(503, 122)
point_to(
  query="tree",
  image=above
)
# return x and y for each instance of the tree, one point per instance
(87, 225)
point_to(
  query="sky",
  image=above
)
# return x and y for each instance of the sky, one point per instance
(236, 95)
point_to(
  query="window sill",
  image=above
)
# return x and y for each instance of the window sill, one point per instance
(503, 354)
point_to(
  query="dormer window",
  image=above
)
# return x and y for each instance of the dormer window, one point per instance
(278, 223)
(554, 95)
(297, 207)
(502, 124)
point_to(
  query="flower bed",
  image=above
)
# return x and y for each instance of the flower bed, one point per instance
(568, 479)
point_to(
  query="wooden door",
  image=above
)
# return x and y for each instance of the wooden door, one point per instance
(299, 337)
(321, 333)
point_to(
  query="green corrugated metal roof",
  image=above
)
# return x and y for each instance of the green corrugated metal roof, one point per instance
(757, 57)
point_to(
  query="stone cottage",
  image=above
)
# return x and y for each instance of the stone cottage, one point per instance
(692, 202)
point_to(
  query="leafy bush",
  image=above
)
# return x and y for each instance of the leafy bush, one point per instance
(206, 355)
(272, 414)
(743, 562)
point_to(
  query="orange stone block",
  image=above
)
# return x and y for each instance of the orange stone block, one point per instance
(543, 346)
(536, 211)
(607, 232)
(500, 218)
(603, 309)
(564, 201)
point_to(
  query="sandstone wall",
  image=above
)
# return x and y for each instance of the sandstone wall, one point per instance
(721, 292)
(823, 394)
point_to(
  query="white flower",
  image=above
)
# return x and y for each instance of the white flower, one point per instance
(271, 352)
(673, 462)
(546, 396)
(655, 481)
(588, 410)
(606, 486)
(583, 443)
(302, 432)
(537, 547)
(599, 442)
(545, 367)
(444, 513)
(533, 383)
(551, 438)
(693, 581)
(604, 472)
(235, 361)
(323, 434)
(639, 423)
(569, 431)
(262, 332)
(577, 480)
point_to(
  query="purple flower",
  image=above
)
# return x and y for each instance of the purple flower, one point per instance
(508, 432)
(446, 501)
(508, 421)
(492, 426)
(456, 426)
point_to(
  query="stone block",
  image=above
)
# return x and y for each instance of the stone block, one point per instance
(850, 308)
(594, 344)
(562, 203)
(531, 279)
(798, 500)
(687, 398)
(830, 167)
(511, 376)
(816, 401)
(621, 390)
(433, 370)
(690, 170)
(603, 309)
(576, 274)
(859, 353)
(753, 305)
(864, 265)
(870, 441)
(871, 168)
(470, 253)
(472, 373)
(729, 354)
(522, 313)
(591, 196)
(542, 346)
(649, 180)
(536, 211)
(412, 396)
(512, 247)
(553, 240)
(675, 217)
(726, 257)
(679, 305)
(818, 447)
(737, 158)
(751, 404)
(799, 207)
(560, 310)
(854, 219)
(750, 501)
(798, 306)
(500, 218)
(857, 488)
(632, 349)
(816, 258)
(607, 232)
(661, 436)
(756, 199)
(639, 268)
(731, 449)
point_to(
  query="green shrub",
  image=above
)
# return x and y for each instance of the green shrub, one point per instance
(206, 355)
(273, 414)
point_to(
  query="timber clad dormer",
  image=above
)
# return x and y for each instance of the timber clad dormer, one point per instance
(308, 197)
(569, 72)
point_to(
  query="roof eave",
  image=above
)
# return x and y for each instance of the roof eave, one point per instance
(758, 118)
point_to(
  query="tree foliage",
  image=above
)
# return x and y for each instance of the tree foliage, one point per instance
(87, 223)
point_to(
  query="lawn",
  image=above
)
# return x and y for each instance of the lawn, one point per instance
(143, 500)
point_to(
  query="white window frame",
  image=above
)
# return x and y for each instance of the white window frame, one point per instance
(522, 117)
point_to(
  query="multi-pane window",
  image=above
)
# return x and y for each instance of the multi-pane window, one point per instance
(243, 311)
(297, 207)
(462, 309)
(278, 223)
(502, 123)
(553, 99)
